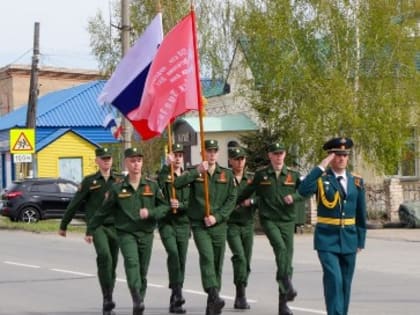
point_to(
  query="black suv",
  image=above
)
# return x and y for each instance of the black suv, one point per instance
(34, 199)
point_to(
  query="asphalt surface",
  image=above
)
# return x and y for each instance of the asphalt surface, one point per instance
(44, 274)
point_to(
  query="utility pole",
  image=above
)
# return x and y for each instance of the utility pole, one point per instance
(125, 44)
(33, 92)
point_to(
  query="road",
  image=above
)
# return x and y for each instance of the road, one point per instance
(44, 274)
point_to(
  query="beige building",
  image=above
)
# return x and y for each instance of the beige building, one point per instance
(15, 80)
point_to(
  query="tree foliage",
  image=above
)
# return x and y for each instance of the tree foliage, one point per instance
(334, 68)
(321, 68)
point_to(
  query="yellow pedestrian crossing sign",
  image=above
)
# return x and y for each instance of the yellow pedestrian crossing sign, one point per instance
(22, 141)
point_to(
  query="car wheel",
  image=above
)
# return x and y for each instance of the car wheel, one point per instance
(29, 215)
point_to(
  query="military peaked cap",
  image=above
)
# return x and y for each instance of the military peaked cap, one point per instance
(276, 147)
(338, 145)
(211, 144)
(103, 152)
(177, 147)
(130, 152)
(236, 152)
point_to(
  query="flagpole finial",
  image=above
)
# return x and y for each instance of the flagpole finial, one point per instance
(158, 6)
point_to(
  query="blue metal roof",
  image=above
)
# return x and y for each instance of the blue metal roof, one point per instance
(73, 107)
(78, 107)
(57, 134)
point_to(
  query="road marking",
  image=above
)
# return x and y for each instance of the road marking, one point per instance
(306, 310)
(20, 264)
(73, 272)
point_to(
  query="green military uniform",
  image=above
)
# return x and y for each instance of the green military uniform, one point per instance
(276, 217)
(174, 230)
(91, 195)
(341, 227)
(135, 235)
(240, 236)
(210, 241)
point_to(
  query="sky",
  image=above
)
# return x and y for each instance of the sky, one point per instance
(64, 39)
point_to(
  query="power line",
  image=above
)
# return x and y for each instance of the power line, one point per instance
(20, 57)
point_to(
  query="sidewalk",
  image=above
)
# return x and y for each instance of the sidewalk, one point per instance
(400, 234)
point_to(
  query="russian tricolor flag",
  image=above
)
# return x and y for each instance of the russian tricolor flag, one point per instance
(124, 89)
(114, 124)
(172, 86)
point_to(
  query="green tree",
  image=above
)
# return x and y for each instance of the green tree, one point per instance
(332, 68)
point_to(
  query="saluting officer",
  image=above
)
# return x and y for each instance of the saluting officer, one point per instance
(341, 226)
(240, 234)
(276, 188)
(209, 232)
(92, 194)
(174, 228)
(136, 204)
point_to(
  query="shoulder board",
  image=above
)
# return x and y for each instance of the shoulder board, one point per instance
(356, 175)
(358, 180)
(291, 169)
(151, 179)
(92, 175)
(261, 168)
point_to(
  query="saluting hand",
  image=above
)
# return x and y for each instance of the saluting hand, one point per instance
(325, 162)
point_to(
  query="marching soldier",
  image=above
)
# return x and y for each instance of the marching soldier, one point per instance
(136, 204)
(340, 232)
(276, 188)
(240, 234)
(209, 231)
(92, 194)
(174, 228)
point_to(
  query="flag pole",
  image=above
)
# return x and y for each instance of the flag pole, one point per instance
(171, 166)
(200, 112)
(169, 131)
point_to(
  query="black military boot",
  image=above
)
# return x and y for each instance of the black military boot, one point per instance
(175, 304)
(240, 299)
(283, 308)
(214, 303)
(138, 305)
(291, 293)
(108, 304)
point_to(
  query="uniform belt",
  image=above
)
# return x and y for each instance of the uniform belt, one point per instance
(337, 221)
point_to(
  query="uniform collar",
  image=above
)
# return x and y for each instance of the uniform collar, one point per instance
(126, 182)
(282, 171)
